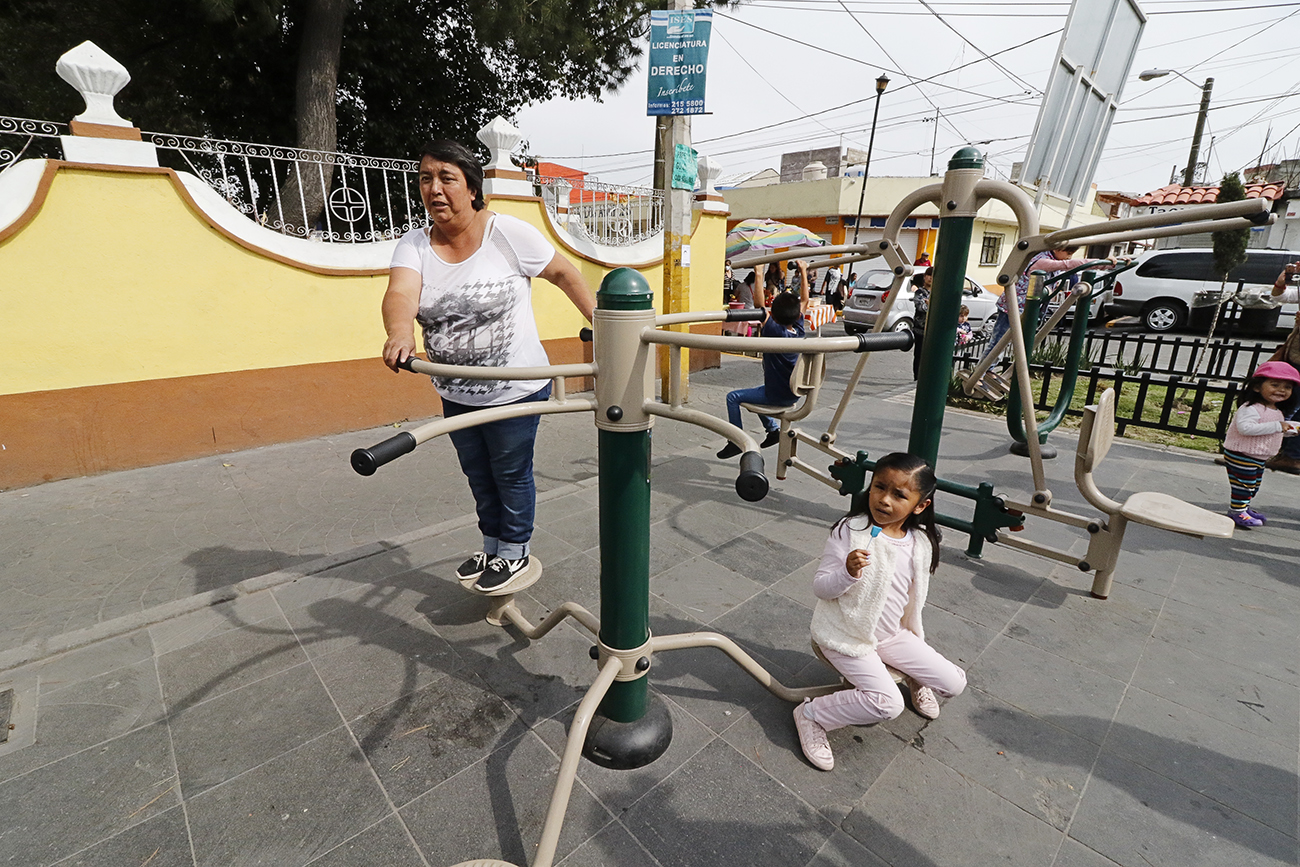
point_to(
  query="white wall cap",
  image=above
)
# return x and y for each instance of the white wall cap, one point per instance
(109, 151)
(98, 78)
(507, 187)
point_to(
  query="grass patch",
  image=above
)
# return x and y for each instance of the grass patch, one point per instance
(1204, 439)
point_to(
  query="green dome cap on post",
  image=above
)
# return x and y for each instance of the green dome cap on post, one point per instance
(624, 289)
(966, 158)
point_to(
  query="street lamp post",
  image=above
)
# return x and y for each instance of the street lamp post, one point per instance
(881, 83)
(1189, 173)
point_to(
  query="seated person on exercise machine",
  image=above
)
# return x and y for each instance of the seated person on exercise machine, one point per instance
(784, 320)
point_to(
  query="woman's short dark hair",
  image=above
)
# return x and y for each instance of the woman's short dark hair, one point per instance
(445, 151)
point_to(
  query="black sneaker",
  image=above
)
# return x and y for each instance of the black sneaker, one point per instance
(473, 567)
(730, 450)
(500, 570)
(771, 439)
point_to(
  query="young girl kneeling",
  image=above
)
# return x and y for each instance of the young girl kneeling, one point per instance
(871, 587)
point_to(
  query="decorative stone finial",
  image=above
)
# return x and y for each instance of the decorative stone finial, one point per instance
(709, 170)
(501, 137)
(98, 77)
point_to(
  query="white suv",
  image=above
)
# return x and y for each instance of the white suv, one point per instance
(862, 309)
(1163, 289)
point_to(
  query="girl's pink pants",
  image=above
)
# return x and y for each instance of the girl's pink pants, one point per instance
(875, 696)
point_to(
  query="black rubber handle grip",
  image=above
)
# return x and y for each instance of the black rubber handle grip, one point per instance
(751, 484)
(405, 363)
(748, 314)
(585, 335)
(366, 461)
(871, 342)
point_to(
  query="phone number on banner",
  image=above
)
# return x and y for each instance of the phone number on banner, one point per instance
(687, 106)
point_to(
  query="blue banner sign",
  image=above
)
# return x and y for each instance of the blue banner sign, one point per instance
(679, 56)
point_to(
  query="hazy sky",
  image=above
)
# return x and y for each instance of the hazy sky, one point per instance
(789, 75)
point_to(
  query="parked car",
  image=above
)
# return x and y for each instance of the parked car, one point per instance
(1163, 289)
(863, 307)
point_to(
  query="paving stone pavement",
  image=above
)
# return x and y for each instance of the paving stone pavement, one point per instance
(350, 706)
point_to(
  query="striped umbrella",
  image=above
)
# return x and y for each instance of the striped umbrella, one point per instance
(768, 235)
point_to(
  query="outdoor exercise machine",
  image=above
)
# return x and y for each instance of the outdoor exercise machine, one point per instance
(1092, 285)
(619, 723)
(999, 518)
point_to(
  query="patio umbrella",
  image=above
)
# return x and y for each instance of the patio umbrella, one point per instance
(768, 235)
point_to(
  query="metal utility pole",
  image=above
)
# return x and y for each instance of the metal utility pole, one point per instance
(1189, 174)
(934, 142)
(881, 83)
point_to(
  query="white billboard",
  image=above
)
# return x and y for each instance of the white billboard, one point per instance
(1093, 61)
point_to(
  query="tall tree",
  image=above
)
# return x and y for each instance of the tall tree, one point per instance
(327, 74)
(1229, 252)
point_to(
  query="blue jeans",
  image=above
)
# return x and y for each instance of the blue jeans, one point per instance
(1001, 325)
(757, 394)
(497, 459)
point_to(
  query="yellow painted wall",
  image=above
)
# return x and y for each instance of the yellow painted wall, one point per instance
(117, 279)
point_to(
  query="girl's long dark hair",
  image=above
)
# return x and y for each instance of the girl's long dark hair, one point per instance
(923, 478)
(1251, 394)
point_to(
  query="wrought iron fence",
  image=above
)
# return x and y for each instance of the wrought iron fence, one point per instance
(1225, 358)
(23, 137)
(1171, 403)
(321, 195)
(609, 214)
(1154, 370)
(1134, 352)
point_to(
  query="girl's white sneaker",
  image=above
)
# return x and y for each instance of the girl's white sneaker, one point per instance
(812, 737)
(923, 700)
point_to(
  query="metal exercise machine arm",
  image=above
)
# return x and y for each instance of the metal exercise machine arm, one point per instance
(856, 343)
(367, 461)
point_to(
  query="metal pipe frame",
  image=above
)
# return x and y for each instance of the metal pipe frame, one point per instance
(766, 344)
(424, 433)
(684, 640)
(460, 371)
(1243, 208)
(733, 434)
(1172, 231)
(797, 253)
(569, 761)
(504, 609)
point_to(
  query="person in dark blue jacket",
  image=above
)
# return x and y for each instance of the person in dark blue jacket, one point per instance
(784, 320)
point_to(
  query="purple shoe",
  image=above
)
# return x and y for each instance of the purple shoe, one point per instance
(1258, 516)
(1245, 521)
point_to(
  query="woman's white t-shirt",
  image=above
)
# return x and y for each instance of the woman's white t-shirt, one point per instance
(480, 312)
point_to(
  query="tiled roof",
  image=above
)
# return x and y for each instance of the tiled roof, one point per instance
(1175, 194)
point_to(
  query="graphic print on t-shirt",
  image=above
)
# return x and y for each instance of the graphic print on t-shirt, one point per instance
(470, 325)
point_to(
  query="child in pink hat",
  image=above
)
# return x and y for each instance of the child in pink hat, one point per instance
(1256, 434)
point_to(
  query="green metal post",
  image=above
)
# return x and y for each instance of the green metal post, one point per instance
(624, 475)
(624, 471)
(956, 225)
